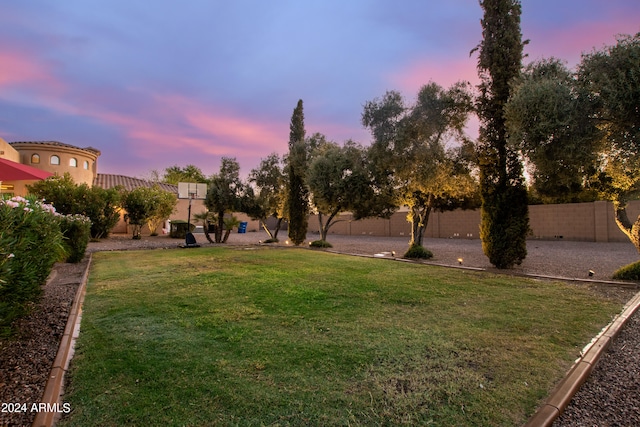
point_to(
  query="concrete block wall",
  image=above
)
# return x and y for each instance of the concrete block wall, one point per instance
(593, 222)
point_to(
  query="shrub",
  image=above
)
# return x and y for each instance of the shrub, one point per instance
(147, 206)
(100, 205)
(628, 272)
(30, 243)
(76, 230)
(320, 244)
(418, 252)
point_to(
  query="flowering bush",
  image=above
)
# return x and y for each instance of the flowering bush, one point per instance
(30, 243)
(100, 205)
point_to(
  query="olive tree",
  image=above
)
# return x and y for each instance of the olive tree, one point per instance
(549, 123)
(410, 152)
(612, 77)
(226, 193)
(340, 180)
(583, 128)
(270, 193)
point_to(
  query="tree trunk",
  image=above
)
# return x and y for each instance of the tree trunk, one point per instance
(265, 228)
(278, 225)
(419, 221)
(220, 227)
(273, 235)
(631, 230)
(324, 228)
(205, 228)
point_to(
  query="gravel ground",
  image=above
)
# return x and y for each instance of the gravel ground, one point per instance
(611, 396)
(26, 360)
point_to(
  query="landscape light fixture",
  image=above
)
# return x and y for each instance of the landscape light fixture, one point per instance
(460, 261)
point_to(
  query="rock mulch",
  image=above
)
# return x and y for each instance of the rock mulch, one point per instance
(26, 359)
(610, 397)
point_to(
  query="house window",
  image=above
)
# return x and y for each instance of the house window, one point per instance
(55, 160)
(35, 159)
(85, 165)
(73, 162)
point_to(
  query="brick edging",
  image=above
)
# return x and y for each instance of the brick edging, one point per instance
(55, 382)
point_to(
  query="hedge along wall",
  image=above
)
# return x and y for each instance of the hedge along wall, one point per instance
(592, 222)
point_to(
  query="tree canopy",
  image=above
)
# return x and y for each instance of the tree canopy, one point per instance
(550, 125)
(339, 180)
(409, 150)
(582, 129)
(147, 205)
(176, 174)
(226, 193)
(269, 180)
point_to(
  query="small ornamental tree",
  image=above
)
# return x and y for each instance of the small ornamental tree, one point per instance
(139, 205)
(339, 180)
(165, 205)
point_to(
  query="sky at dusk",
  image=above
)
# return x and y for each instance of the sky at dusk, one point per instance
(153, 84)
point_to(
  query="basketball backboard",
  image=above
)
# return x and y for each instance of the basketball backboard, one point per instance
(192, 190)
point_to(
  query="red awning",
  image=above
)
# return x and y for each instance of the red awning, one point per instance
(12, 171)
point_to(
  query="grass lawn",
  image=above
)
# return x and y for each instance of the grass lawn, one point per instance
(230, 336)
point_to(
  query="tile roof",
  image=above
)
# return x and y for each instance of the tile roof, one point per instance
(128, 183)
(57, 144)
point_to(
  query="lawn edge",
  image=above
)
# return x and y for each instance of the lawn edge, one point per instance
(54, 386)
(561, 395)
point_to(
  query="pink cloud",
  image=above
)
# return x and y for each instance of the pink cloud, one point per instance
(171, 122)
(21, 70)
(444, 72)
(569, 42)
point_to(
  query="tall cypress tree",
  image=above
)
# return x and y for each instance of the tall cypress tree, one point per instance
(504, 215)
(298, 203)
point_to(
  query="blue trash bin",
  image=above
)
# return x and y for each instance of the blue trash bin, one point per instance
(242, 228)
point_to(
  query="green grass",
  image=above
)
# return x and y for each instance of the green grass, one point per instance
(223, 336)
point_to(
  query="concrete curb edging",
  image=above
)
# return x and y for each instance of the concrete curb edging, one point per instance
(53, 388)
(562, 394)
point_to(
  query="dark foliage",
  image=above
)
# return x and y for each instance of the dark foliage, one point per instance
(504, 219)
(298, 200)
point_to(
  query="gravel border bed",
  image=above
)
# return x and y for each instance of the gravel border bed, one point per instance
(611, 396)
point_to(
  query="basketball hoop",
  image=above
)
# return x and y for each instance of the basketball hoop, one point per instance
(191, 191)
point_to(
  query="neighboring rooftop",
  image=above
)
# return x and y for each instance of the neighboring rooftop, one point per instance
(107, 181)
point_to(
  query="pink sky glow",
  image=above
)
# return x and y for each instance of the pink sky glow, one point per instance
(218, 79)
